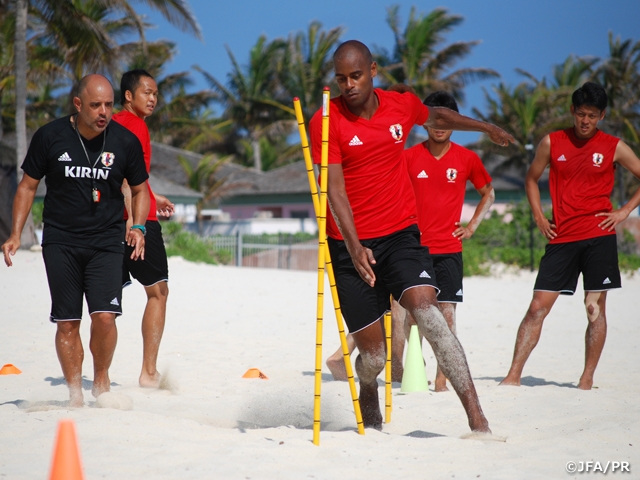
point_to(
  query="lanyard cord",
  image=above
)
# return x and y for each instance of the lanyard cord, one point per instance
(104, 141)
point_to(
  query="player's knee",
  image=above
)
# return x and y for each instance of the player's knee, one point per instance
(68, 328)
(430, 319)
(374, 360)
(593, 310)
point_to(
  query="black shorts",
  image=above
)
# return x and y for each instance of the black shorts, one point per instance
(448, 268)
(401, 263)
(73, 272)
(562, 263)
(153, 269)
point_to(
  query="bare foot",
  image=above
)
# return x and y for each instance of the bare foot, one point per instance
(510, 381)
(150, 381)
(441, 387)
(337, 368)
(481, 425)
(101, 384)
(585, 383)
(76, 398)
(370, 407)
(441, 382)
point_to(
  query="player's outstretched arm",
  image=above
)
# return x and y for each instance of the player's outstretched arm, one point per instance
(487, 197)
(540, 162)
(625, 157)
(339, 202)
(444, 119)
(22, 203)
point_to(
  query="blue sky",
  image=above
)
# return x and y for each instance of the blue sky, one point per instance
(526, 34)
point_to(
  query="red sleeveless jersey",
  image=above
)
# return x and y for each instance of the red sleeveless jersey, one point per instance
(377, 185)
(580, 182)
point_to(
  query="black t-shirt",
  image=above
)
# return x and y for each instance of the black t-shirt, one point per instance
(70, 216)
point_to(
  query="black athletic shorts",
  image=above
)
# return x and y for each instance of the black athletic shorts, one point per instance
(562, 263)
(75, 271)
(448, 268)
(401, 263)
(153, 268)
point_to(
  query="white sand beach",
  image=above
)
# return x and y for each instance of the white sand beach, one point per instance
(211, 423)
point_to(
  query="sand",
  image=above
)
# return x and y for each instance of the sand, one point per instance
(208, 422)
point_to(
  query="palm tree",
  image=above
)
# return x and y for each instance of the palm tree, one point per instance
(175, 11)
(418, 58)
(248, 97)
(524, 112)
(307, 66)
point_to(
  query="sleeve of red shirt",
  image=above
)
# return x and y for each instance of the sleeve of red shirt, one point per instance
(421, 111)
(315, 129)
(479, 175)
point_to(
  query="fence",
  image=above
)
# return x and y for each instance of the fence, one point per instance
(284, 251)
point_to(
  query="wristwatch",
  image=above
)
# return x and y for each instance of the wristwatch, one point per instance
(142, 228)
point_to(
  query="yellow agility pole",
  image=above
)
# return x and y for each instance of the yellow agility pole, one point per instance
(387, 369)
(329, 267)
(322, 241)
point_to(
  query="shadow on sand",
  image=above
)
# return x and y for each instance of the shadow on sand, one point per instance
(86, 383)
(532, 382)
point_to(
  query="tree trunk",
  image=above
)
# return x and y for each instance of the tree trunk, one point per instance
(257, 158)
(28, 238)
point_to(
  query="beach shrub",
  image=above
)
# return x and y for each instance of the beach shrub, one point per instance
(192, 247)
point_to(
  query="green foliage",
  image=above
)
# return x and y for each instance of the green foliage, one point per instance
(192, 247)
(504, 238)
(36, 212)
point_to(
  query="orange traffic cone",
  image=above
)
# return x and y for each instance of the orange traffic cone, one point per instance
(9, 369)
(255, 373)
(66, 457)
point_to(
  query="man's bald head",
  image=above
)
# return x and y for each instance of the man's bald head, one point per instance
(353, 47)
(94, 105)
(91, 81)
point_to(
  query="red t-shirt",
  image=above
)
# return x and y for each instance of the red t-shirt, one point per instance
(377, 185)
(137, 126)
(580, 182)
(440, 186)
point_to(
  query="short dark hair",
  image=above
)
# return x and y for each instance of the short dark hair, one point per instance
(590, 94)
(441, 99)
(351, 45)
(130, 81)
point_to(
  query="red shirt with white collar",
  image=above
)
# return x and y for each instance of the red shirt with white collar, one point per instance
(581, 180)
(378, 188)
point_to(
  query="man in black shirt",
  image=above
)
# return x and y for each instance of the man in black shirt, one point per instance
(84, 159)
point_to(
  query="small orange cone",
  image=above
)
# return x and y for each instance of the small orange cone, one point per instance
(66, 457)
(9, 369)
(255, 373)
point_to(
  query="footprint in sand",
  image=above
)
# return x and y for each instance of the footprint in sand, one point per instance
(117, 401)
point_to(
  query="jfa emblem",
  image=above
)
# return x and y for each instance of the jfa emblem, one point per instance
(452, 174)
(396, 131)
(597, 159)
(107, 159)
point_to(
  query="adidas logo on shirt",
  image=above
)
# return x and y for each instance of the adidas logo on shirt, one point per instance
(114, 301)
(606, 281)
(561, 158)
(64, 157)
(423, 174)
(424, 275)
(355, 141)
(459, 292)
